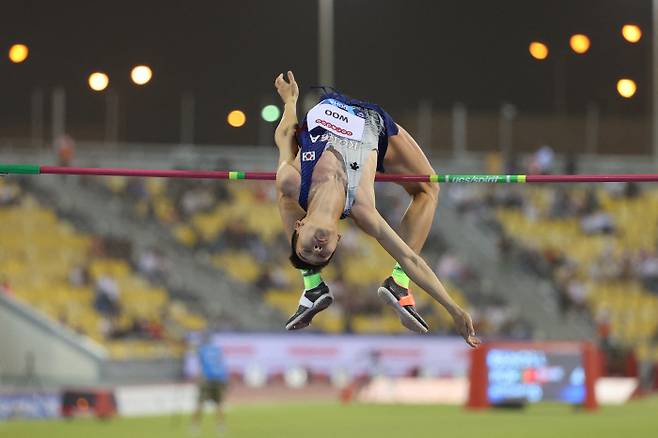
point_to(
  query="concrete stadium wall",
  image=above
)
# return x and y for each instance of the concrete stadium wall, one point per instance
(142, 371)
(60, 356)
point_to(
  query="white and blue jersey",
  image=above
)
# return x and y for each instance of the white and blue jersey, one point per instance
(353, 128)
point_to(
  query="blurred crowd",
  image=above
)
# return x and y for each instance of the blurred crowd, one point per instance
(566, 202)
(176, 203)
(152, 266)
(149, 267)
(574, 278)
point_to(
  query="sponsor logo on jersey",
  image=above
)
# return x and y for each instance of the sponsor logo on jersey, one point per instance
(333, 127)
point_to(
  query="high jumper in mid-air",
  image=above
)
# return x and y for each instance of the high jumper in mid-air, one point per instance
(326, 172)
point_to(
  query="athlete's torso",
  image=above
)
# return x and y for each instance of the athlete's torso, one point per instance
(337, 138)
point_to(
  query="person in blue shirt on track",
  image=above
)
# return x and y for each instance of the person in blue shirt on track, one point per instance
(213, 382)
(326, 172)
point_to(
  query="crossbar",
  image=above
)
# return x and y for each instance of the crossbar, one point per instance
(29, 169)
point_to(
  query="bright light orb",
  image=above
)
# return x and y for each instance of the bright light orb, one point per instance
(631, 33)
(626, 88)
(98, 81)
(579, 43)
(270, 113)
(18, 53)
(538, 50)
(141, 74)
(236, 118)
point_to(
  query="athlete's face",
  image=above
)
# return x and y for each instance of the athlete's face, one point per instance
(315, 242)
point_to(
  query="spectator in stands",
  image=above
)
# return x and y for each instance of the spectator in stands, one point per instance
(107, 296)
(213, 382)
(65, 146)
(5, 287)
(542, 161)
(577, 291)
(79, 276)
(153, 264)
(599, 222)
(647, 270)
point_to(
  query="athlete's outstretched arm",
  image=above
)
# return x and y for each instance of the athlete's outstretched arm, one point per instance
(284, 136)
(371, 222)
(289, 208)
(287, 176)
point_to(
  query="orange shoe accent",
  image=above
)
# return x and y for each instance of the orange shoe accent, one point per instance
(407, 301)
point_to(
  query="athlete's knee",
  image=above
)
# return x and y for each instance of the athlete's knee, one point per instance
(426, 193)
(287, 180)
(423, 192)
(432, 190)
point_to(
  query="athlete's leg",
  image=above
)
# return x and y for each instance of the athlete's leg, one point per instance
(195, 426)
(404, 155)
(220, 417)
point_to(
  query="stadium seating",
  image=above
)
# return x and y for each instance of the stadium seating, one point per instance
(630, 309)
(39, 252)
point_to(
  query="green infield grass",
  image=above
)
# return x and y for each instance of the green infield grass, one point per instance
(637, 419)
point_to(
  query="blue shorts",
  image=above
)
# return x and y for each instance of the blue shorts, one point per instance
(389, 126)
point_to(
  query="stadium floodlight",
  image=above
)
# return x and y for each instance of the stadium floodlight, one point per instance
(236, 118)
(626, 88)
(631, 33)
(538, 50)
(141, 74)
(579, 43)
(98, 81)
(270, 113)
(18, 53)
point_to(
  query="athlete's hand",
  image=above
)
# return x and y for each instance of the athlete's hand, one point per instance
(464, 326)
(289, 91)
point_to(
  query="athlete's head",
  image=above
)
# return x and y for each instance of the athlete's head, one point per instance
(313, 243)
